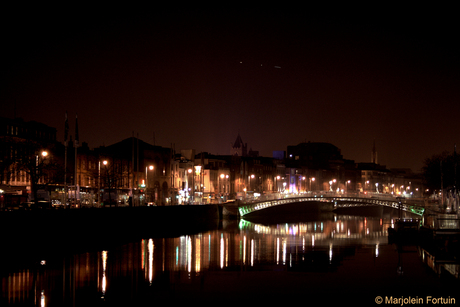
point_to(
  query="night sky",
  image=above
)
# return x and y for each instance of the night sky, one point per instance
(196, 78)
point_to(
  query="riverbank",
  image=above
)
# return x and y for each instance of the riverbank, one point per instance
(56, 231)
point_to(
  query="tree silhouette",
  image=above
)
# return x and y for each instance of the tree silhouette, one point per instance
(441, 171)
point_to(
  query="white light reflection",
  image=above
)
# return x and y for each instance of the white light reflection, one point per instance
(42, 299)
(376, 250)
(150, 249)
(104, 269)
(330, 253)
(189, 254)
(222, 250)
(284, 251)
(244, 250)
(277, 250)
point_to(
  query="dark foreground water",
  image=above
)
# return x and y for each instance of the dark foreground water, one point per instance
(327, 259)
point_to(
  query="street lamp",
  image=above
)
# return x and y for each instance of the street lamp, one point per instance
(44, 154)
(252, 176)
(192, 193)
(222, 176)
(146, 180)
(99, 181)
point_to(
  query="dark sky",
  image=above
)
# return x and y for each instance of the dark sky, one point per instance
(279, 77)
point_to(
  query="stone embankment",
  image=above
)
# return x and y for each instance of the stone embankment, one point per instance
(38, 231)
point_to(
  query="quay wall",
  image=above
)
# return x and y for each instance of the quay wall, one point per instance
(38, 231)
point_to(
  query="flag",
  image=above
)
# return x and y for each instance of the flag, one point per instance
(66, 130)
(76, 130)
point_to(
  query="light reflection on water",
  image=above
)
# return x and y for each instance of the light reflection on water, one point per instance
(194, 265)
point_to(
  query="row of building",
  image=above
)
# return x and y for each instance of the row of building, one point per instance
(133, 172)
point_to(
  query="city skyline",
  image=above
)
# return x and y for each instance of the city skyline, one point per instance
(197, 78)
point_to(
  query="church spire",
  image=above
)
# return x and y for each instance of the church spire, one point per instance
(238, 147)
(374, 154)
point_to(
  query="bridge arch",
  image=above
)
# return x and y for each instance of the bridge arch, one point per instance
(330, 203)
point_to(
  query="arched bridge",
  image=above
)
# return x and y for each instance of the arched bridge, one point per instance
(334, 202)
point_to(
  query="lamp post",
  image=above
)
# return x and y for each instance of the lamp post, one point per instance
(188, 187)
(311, 179)
(219, 183)
(150, 167)
(43, 154)
(36, 173)
(99, 181)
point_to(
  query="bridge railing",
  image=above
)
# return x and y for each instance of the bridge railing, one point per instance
(274, 196)
(340, 200)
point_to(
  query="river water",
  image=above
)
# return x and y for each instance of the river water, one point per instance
(329, 259)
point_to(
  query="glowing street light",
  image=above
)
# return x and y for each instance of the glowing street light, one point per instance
(252, 176)
(99, 181)
(312, 179)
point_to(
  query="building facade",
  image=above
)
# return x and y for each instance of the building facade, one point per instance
(29, 158)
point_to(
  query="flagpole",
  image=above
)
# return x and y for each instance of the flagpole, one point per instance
(76, 146)
(66, 133)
